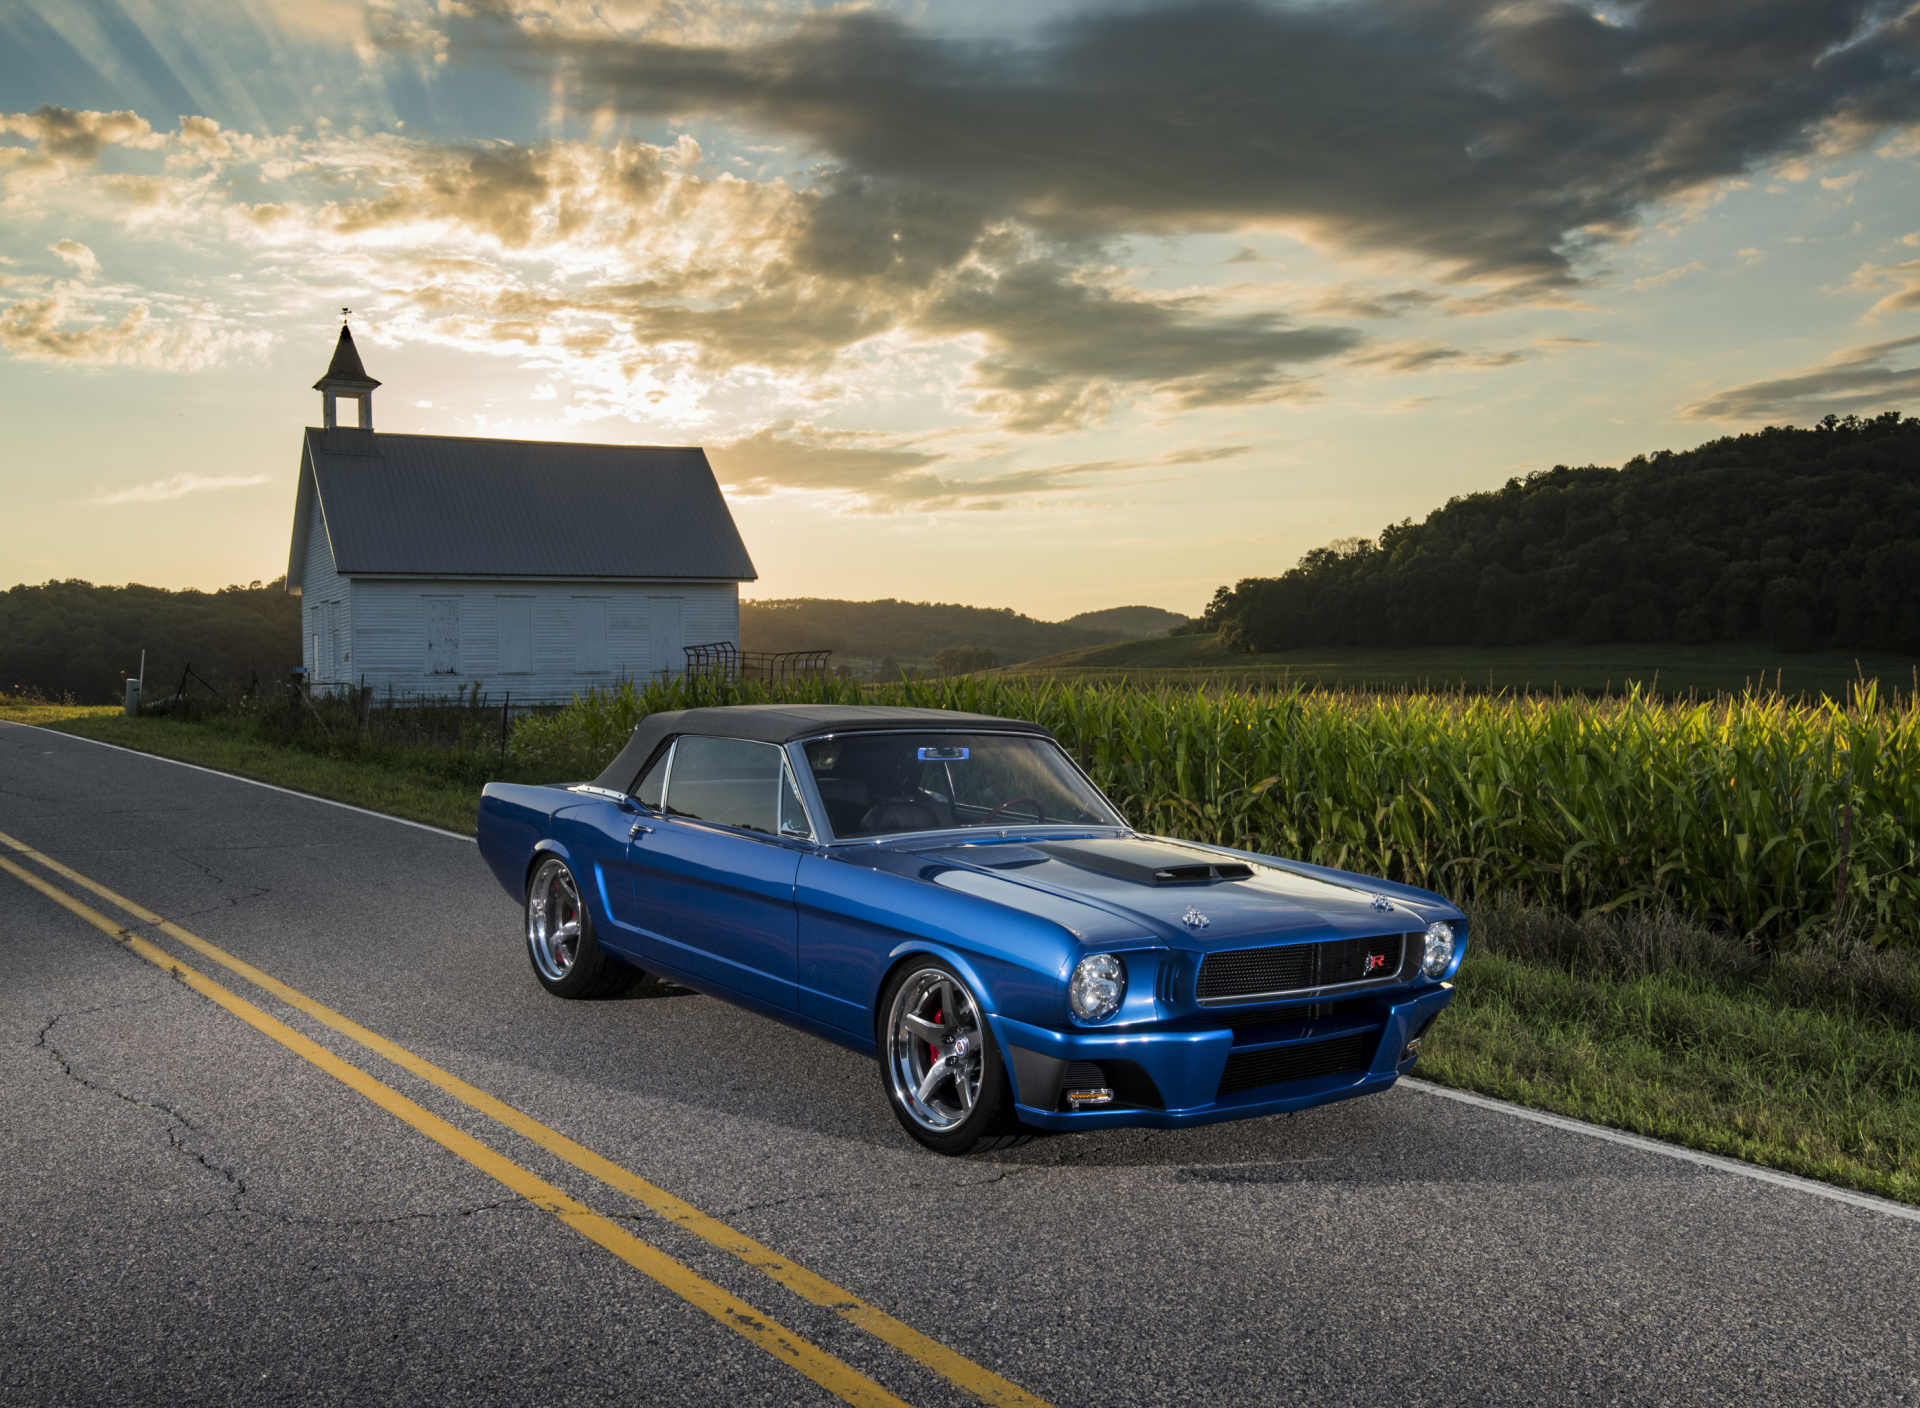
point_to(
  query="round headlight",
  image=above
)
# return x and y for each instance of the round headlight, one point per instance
(1099, 983)
(1439, 948)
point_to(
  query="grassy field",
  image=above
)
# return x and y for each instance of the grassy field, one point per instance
(1808, 1063)
(1811, 1092)
(1804, 1060)
(1703, 670)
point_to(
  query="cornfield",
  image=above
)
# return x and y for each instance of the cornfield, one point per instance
(1771, 817)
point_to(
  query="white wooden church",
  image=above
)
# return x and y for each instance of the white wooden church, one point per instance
(432, 563)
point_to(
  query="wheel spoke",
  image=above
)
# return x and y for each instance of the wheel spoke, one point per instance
(961, 1085)
(949, 1006)
(932, 1082)
(930, 1032)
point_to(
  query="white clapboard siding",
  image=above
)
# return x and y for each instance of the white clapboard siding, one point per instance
(326, 611)
(532, 624)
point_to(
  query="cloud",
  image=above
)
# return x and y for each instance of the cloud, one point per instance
(1852, 379)
(877, 472)
(655, 285)
(78, 255)
(1661, 280)
(72, 136)
(1903, 279)
(60, 328)
(661, 265)
(1500, 141)
(1205, 454)
(1062, 349)
(1351, 302)
(178, 486)
(1411, 357)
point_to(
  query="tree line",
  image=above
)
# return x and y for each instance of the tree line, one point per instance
(1806, 539)
(74, 639)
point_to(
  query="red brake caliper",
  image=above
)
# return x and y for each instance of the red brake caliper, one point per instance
(933, 1052)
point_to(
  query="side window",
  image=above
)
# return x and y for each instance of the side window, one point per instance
(651, 789)
(729, 781)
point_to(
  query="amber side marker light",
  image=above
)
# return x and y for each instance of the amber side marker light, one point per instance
(1098, 1095)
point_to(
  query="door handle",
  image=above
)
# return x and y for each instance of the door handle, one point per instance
(637, 828)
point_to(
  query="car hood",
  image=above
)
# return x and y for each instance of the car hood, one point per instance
(1170, 887)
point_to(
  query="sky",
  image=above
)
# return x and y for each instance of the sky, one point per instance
(1040, 305)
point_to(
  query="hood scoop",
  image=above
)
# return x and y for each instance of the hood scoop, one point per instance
(1146, 862)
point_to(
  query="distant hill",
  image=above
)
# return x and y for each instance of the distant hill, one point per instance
(913, 632)
(1132, 622)
(73, 638)
(1801, 539)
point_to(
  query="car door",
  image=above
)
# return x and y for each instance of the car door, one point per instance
(713, 879)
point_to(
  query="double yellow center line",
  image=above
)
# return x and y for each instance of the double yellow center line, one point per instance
(832, 1374)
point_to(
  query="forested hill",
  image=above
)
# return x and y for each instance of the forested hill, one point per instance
(919, 630)
(1802, 538)
(73, 638)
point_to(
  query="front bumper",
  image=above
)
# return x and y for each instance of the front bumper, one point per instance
(1185, 1067)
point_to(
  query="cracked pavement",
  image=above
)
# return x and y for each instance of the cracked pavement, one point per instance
(190, 1211)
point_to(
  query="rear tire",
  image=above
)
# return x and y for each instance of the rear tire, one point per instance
(567, 959)
(941, 1067)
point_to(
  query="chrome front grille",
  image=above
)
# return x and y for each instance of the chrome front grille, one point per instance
(1243, 974)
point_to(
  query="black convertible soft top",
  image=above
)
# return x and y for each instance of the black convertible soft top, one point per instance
(783, 723)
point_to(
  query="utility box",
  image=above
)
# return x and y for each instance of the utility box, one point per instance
(133, 698)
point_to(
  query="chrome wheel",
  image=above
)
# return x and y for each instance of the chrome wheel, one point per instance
(553, 920)
(935, 1059)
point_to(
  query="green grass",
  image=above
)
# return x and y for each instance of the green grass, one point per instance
(374, 783)
(1821, 1093)
(1588, 669)
(32, 709)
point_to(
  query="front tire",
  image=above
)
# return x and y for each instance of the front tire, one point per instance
(944, 1077)
(567, 959)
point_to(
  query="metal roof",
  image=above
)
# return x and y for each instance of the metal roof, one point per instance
(446, 506)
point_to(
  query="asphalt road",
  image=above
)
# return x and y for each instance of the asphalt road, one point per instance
(192, 1212)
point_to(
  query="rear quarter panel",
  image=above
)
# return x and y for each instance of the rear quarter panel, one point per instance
(514, 819)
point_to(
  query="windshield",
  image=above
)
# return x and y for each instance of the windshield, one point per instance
(881, 784)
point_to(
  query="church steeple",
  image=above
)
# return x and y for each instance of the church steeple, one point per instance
(346, 377)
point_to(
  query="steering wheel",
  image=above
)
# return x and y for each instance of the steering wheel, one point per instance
(1038, 814)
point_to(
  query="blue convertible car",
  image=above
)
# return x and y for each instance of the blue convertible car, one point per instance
(950, 893)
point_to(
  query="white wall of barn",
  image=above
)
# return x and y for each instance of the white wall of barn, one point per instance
(536, 640)
(326, 611)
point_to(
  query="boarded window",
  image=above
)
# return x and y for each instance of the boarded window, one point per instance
(516, 635)
(443, 635)
(669, 656)
(590, 635)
